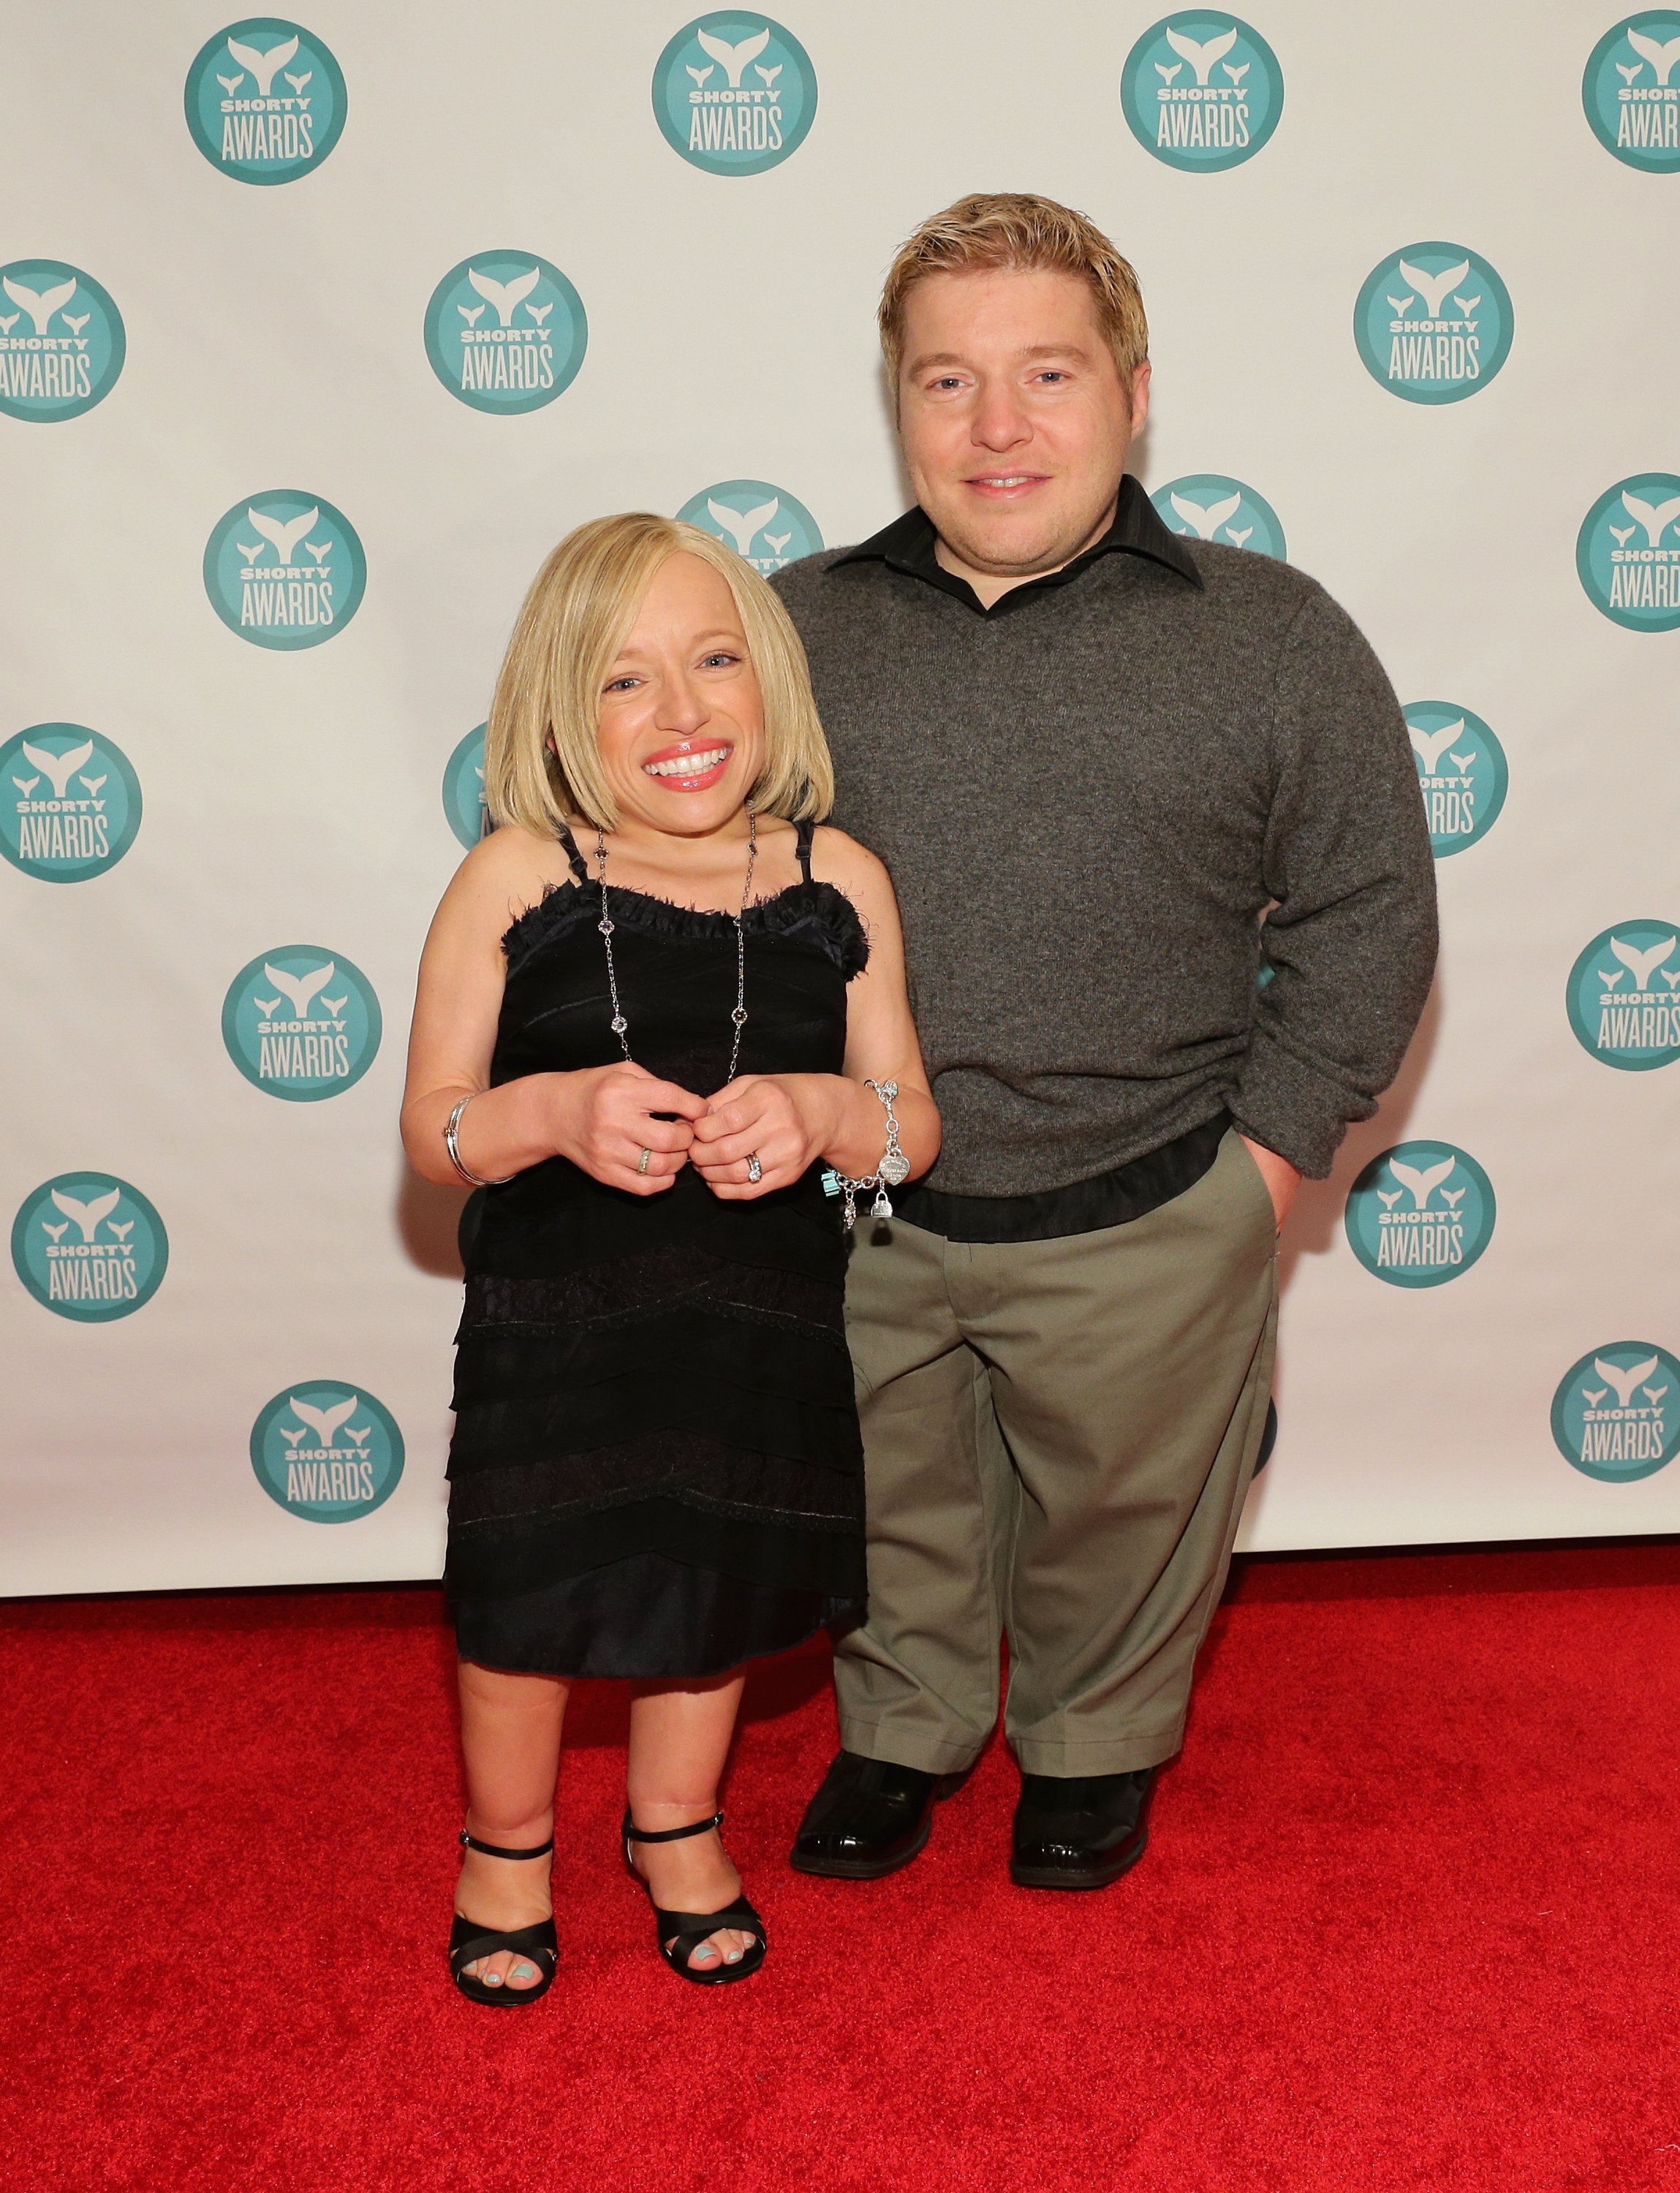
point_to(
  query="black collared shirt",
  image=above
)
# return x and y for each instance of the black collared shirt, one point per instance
(908, 545)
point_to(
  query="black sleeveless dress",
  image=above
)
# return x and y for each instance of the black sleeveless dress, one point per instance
(656, 1470)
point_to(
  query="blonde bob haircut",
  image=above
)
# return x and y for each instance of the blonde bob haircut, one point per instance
(542, 762)
(998, 230)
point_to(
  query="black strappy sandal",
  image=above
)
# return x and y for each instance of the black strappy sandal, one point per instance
(679, 1934)
(469, 1941)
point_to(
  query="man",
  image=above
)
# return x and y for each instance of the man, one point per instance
(1115, 773)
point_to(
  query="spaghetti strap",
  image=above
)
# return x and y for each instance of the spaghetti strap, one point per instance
(807, 830)
(574, 858)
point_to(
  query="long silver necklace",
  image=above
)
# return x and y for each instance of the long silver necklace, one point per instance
(620, 1026)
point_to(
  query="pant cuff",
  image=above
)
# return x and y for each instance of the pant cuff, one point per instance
(908, 1747)
(1121, 1754)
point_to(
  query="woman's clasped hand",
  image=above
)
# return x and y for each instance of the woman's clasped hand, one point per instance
(604, 1117)
(784, 1121)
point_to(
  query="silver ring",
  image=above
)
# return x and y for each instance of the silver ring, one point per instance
(644, 1160)
(755, 1170)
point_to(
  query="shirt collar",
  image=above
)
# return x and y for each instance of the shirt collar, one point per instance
(907, 544)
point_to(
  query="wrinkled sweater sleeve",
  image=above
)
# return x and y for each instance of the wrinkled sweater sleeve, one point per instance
(1352, 936)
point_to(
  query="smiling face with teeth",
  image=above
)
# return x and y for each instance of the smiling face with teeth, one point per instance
(681, 732)
(1014, 419)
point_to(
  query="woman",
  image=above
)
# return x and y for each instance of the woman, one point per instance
(654, 1006)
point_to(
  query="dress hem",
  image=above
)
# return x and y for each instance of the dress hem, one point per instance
(852, 1618)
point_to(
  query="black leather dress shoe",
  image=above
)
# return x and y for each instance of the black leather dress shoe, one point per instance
(1082, 1833)
(868, 1819)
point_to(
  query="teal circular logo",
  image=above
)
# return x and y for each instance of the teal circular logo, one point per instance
(69, 801)
(734, 94)
(1420, 1214)
(1461, 772)
(464, 790)
(1202, 92)
(1433, 323)
(1630, 99)
(1627, 553)
(89, 1247)
(327, 1451)
(265, 101)
(284, 570)
(61, 341)
(301, 1023)
(1616, 1416)
(1212, 507)
(1624, 996)
(505, 331)
(766, 524)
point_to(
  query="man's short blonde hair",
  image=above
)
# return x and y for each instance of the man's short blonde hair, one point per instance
(998, 229)
(542, 763)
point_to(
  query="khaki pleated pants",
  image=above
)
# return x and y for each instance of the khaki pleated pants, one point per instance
(1057, 1438)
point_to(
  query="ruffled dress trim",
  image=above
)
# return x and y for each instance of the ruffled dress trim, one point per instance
(811, 913)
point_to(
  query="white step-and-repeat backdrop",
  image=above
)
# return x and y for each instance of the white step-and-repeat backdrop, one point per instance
(316, 335)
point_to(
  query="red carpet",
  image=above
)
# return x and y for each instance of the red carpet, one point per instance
(1408, 1920)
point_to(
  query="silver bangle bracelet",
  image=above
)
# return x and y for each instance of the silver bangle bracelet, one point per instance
(451, 1133)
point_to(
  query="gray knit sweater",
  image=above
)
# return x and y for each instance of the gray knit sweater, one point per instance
(1086, 805)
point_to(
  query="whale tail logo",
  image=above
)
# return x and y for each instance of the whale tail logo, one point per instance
(1431, 745)
(1624, 1380)
(735, 59)
(1656, 519)
(1201, 58)
(1433, 288)
(300, 989)
(87, 1215)
(286, 536)
(265, 67)
(1661, 58)
(1422, 1180)
(743, 526)
(1643, 963)
(1205, 522)
(61, 767)
(323, 1422)
(42, 304)
(504, 295)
